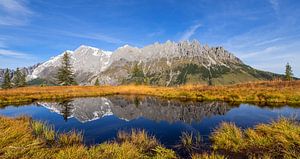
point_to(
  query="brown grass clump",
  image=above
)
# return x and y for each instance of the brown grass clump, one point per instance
(208, 156)
(139, 138)
(189, 142)
(279, 139)
(266, 92)
(70, 139)
(228, 137)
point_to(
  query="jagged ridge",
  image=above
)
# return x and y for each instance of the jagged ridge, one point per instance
(167, 64)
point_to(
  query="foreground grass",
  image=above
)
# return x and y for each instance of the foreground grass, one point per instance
(24, 138)
(280, 139)
(268, 92)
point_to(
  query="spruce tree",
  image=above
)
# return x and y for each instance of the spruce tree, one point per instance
(97, 82)
(65, 74)
(288, 72)
(23, 82)
(17, 78)
(6, 83)
(137, 74)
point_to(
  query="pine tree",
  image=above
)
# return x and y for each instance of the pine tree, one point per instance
(288, 72)
(6, 83)
(65, 74)
(137, 74)
(137, 71)
(97, 82)
(23, 82)
(17, 78)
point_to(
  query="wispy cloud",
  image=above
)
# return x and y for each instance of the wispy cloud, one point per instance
(14, 12)
(274, 4)
(156, 33)
(14, 54)
(2, 44)
(268, 50)
(95, 36)
(190, 32)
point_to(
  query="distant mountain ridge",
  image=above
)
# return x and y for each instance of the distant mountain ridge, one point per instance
(166, 64)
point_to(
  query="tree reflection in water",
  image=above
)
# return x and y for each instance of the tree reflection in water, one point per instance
(67, 109)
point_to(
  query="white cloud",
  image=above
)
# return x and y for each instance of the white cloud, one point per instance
(96, 36)
(14, 54)
(14, 12)
(268, 41)
(268, 50)
(190, 32)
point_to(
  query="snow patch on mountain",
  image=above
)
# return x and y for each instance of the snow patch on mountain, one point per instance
(89, 62)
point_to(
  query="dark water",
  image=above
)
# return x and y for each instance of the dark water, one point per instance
(101, 118)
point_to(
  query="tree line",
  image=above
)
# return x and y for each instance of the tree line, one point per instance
(18, 80)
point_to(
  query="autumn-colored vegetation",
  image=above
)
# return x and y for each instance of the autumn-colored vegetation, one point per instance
(267, 92)
(279, 139)
(23, 138)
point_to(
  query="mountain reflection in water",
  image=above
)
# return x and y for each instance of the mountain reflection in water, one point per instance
(89, 109)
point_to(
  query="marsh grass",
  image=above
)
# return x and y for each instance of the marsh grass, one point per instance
(189, 143)
(279, 139)
(208, 156)
(70, 138)
(140, 138)
(23, 138)
(38, 127)
(264, 92)
(44, 131)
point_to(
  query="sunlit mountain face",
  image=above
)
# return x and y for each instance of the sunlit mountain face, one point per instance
(89, 109)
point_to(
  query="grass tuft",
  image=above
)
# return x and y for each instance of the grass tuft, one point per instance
(70, 139)
(139, 138)
(278, 139)
(208, 156)
(190, 142)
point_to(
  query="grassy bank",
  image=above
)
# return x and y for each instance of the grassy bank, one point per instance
(268, 92)
(24, 138)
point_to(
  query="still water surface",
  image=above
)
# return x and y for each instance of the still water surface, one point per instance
(101, 118)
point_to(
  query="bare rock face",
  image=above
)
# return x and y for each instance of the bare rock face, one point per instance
(165, 64)
(86, 61)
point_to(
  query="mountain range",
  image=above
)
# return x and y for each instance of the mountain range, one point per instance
(165, 64)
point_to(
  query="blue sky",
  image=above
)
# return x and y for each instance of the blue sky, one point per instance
(263, 33)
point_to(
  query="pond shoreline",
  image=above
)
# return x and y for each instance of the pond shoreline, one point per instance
(272, 93)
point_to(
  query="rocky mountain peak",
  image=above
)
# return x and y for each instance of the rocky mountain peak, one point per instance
(169, 63)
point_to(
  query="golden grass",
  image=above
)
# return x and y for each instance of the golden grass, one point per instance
(24, 138)
(208, 156)
(189, 142)
(140, 138)
(279, 139)
(19, 139)
(267, 92)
